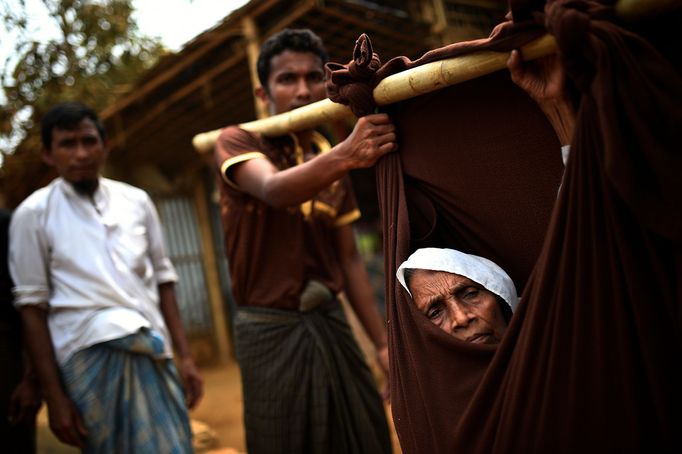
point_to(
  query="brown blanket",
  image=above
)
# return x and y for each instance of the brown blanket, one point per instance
(590, 361)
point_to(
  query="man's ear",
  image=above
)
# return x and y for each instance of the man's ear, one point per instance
(47, 157)
(262, 94)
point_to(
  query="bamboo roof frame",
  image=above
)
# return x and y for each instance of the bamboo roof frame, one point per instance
(416, 81)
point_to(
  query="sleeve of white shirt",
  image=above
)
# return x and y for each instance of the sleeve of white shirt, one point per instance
(163, 268)
(29, 258)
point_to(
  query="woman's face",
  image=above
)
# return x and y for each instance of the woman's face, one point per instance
(458, 306)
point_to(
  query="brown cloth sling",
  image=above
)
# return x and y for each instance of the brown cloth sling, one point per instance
(326, 400)
(590, 362)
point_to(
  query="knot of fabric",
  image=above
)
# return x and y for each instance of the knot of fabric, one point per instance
(570, 21)
(352, 84)
(578, 11)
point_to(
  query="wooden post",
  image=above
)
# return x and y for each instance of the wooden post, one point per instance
(441, 21)
(252, 50)
(220, 325)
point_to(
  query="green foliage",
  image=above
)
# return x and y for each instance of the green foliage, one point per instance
(97, 54)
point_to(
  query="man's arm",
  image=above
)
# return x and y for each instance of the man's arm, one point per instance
(65, 420)
(26, 398)
(165, 273)
(28, 262)
(359, 291)
(191, 379)
(545, 81)
(372, 137)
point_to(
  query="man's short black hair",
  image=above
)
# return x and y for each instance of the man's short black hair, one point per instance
(296, 40)
(67, 116)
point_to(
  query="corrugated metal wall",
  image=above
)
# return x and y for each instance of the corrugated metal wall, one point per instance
(181, 233)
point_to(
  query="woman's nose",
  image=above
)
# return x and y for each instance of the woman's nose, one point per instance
(460, 317)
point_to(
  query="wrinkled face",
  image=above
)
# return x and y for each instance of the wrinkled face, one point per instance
(296, 79)
(77, 154)
(458, 306)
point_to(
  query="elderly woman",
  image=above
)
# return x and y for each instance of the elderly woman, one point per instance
(467, 296)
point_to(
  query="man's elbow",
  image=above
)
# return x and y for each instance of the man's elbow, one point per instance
(351, 260)
(275, 197)
(272, 200)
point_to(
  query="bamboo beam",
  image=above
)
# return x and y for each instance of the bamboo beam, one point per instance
(252, 50)
(401, 86)
(292, 16)
(300, 119)
(433, 76)
(166, 75)
(162, 106)
(631, 9)
(441, 21)
(360, 22)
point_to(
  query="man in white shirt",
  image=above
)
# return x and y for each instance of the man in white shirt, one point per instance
(96, 294)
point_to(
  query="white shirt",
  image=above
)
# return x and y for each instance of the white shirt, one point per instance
(96, 263)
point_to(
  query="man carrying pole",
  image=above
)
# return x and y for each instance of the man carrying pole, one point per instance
(286, 207)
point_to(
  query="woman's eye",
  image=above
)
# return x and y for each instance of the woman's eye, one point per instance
(471, 293)
(434, 312)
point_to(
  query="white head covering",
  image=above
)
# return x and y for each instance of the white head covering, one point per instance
(478, 269)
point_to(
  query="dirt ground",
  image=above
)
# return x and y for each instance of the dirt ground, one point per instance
(217, 421)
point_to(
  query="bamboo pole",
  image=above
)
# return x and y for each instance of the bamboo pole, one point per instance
(305, 117)
(433, 76)
(398, 87)
(411, 83)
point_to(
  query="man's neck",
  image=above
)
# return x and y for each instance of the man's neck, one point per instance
(86, 188)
